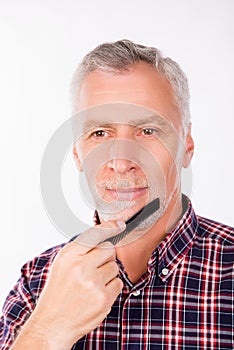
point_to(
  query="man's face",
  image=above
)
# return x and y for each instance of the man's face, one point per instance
(148, 123)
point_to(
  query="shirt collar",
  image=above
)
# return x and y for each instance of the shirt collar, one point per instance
(177, 243)
(171, 251)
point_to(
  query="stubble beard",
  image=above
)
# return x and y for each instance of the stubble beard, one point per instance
(123, 210)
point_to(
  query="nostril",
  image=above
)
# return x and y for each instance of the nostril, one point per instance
(121, 165)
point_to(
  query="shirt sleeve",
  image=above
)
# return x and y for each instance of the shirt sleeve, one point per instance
(17, 308)
(22, 299)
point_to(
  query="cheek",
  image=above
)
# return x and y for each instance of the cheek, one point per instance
(169, 160)
(84, 150)
(79, 150)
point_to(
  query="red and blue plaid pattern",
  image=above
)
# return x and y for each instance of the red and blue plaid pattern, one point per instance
(184, 301)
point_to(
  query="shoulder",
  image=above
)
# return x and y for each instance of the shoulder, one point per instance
(42, 260)
(212, 229)
(216, 238)
(35, 272)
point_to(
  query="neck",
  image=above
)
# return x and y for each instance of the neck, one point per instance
(141, 249)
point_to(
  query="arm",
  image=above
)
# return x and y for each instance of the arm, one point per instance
(17, 309)
(21, 301)
(78, 294)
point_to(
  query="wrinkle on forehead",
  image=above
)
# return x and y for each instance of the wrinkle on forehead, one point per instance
(155, 119)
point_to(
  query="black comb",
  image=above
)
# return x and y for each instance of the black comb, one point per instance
(135, 220)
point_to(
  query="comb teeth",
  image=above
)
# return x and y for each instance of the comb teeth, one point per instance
(135, 220)
(116, 239)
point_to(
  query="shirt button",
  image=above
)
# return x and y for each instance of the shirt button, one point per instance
(165, 271)
(136, 293)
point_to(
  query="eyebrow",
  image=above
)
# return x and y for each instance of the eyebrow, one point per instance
(151, 119)
(155, 118)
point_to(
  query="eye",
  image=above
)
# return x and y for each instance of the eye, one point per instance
(99, 133)
(148, 132)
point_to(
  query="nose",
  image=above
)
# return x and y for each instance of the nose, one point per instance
(121, 165)
(122, 152)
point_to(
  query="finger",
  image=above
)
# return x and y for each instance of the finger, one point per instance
(93, 236)
(101, 254)
(108, 272)
(114, 288)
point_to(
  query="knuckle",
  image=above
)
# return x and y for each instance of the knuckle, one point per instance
(119, 284)
(98, 233)
(111, 253)
(62, 257)
(80, 270)
(110, 224)
(108, 253)
(106, 245)
(101, 300)
(115, 267)
(64, 251)
(90, 284)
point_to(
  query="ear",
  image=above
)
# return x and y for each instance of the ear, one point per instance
(189, 148)
(76, 158)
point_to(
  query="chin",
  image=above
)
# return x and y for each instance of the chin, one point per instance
(119, 210)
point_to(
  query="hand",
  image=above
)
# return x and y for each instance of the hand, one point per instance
(81, 288)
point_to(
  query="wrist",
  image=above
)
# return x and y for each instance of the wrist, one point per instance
(39, 335)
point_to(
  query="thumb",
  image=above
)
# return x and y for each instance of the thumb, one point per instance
(90, 238)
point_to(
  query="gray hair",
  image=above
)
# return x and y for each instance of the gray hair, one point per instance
(117, 57)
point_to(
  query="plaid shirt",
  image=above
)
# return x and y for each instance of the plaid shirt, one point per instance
(184, 301)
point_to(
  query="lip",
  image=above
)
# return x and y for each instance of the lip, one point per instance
(127, 193)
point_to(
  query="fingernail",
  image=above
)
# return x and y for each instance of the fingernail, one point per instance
(121, 224)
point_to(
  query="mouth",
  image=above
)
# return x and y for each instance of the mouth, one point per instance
(132, 193)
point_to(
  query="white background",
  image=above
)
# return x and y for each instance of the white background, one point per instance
(42, 42)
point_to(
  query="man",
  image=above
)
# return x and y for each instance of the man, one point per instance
(168, 284)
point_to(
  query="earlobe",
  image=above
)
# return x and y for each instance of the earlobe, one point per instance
(189, 148)
(76, 158)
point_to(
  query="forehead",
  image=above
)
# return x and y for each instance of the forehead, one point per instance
(119, 113)
(131, 118)
(142, 85)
